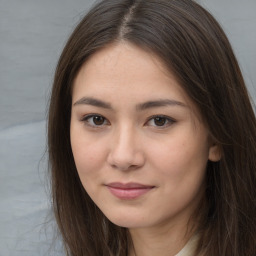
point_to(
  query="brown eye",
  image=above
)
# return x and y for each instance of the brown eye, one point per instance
(95, 120)
(160, 121)
(98, 120)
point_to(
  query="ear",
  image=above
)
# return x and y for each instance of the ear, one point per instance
(214, 153)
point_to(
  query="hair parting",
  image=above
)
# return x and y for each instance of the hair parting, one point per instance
(193, 46)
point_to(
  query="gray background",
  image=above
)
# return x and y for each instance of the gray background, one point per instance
(32, 35)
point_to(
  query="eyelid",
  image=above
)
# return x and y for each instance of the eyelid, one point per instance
(169, 119)
(85, 119)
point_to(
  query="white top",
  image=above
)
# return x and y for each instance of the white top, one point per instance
(189, 248)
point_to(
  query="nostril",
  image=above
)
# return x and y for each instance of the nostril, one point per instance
(125, 152)
(123, 166)
(127, 168)
(126, 162)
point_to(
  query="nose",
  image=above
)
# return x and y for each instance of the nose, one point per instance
(125, 150)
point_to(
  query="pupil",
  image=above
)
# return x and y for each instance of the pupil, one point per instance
(98, 120)
(160, 121)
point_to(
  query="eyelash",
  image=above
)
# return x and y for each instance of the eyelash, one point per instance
(86, 120)
(167, 121)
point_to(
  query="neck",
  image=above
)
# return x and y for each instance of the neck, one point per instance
(164, 241)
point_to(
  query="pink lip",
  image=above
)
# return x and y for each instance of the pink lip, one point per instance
(129, 190)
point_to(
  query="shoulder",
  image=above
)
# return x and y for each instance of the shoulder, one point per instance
(190, 247)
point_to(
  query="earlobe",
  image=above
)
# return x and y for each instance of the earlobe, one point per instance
(215, 153)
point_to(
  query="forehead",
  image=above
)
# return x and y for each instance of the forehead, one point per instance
(126, 76)
(121, 60)
(127, 65)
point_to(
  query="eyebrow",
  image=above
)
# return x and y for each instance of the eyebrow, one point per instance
(93, 102)
(159, 103)
(139, 107)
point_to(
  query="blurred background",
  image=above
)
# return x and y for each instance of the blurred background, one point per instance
(32, 35)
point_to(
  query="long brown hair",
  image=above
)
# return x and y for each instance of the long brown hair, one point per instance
(193, 47)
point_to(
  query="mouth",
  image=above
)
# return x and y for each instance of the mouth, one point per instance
(128, 191)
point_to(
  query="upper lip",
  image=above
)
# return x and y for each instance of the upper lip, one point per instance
(130, 185)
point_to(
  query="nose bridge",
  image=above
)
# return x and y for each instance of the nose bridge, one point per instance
(126, 151)
(125, 138)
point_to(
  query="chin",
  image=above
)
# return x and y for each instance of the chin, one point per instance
(128, 221)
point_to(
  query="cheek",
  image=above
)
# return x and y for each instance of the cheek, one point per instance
(88, 161)
(180, 172)
(180, 158)
(88, 154)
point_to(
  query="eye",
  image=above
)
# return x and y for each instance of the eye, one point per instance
(95, 120)
(160, 121)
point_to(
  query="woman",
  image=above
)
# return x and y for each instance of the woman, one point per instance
(152, 135)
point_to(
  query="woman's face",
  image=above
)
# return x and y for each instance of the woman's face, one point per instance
(139, 143)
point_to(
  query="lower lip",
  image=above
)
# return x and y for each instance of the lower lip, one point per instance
(129, 193)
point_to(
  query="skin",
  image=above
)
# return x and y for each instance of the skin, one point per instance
(115, 137)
